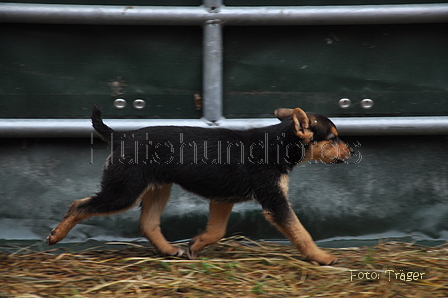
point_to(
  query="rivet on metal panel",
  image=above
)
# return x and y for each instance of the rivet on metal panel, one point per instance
(139, 104)
(344, 103)
(119, 103)
(366, 103)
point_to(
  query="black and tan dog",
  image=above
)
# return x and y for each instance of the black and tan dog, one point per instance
(225, 166)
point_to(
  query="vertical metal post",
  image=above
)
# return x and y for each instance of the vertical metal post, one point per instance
(212, 64)
(212, 70)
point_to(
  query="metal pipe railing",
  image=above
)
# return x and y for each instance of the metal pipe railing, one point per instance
(364, 126)
(213, 15)
(230, 16)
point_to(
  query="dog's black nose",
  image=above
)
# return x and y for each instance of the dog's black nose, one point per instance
(352, 152)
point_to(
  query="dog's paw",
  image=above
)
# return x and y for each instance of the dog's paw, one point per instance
(52, 238)
(179, 253)
(333, 261)
(192, 253)
(324, 259)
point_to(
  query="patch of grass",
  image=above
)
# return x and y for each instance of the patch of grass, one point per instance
(236, 267)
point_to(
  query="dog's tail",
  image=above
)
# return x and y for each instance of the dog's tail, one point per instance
(104, 131)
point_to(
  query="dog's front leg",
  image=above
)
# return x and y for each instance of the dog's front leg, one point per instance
(216, 228)
(283, 217)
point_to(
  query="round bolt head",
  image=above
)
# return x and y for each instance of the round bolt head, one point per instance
(139, 104)
(344, 103)
(366, 103)
(119, 103)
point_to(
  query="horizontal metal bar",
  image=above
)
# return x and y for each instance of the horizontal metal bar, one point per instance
(392, 125)
(240, 16)
(335, 15)
(356, 126)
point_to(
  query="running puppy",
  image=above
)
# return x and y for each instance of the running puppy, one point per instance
(225, 166)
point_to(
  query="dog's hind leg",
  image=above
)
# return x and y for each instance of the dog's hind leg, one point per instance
(73, 216)
(216, 228)
(153, 202)
(115, 200)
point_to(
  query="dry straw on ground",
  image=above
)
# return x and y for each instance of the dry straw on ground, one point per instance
(236, 267)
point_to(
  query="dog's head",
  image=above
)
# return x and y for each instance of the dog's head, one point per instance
(318, 134)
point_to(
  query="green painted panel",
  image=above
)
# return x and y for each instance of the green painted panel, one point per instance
(402, 68)
(61, 71)
(263, 104)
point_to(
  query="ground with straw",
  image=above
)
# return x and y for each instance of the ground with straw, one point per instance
(236, 267)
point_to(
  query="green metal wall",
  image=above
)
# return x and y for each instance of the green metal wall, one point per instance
(402, 68)
(50, 71)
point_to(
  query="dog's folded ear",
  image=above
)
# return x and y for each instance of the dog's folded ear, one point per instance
(281, 113)
(301, 125)
(301, 122)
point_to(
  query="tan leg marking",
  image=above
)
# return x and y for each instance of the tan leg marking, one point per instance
(71, 218)
(298, 235)
(76, 214)
(153, 202)
(216, 228)
(283, 183)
